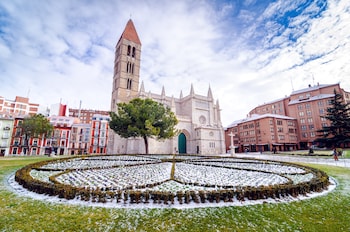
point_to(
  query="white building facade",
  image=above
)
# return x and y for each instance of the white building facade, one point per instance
(200, 128)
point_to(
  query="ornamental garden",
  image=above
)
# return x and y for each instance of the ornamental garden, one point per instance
(169, 180)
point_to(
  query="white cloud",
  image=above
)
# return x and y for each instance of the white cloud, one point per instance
(65, 49)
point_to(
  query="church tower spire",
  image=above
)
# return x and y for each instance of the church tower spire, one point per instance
(126, 66)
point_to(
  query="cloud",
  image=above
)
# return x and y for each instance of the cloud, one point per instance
(249, 52)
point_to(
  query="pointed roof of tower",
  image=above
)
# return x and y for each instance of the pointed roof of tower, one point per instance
(192, 90)
(142, 88)
(163, 91)
(210, 94)
(130, 33)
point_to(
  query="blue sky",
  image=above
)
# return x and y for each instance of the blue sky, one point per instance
(249, 52)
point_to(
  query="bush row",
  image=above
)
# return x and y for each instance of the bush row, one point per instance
(54, 188)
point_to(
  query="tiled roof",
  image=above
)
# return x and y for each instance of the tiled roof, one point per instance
(313, 98)
(130, 33)
(311, 88)
(259, 116)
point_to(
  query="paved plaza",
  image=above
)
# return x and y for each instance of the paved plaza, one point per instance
(343, 162)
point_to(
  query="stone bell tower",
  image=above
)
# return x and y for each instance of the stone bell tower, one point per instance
(126, 66)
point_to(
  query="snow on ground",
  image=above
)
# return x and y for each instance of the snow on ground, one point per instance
(289, 158)
(20, 191)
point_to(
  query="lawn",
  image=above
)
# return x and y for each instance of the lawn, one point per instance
(327, 213)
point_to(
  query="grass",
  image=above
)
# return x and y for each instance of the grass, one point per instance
(327, 213)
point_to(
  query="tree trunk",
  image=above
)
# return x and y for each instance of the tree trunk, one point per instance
(146, 143)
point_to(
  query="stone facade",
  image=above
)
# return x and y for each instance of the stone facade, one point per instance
(200, 126)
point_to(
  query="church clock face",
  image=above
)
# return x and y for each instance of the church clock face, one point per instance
(202, 120)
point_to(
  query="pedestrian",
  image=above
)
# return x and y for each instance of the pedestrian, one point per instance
(335, 154)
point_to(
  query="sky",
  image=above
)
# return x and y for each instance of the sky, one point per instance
(249, 52)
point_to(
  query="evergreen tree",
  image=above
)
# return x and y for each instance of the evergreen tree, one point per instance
(143, 118)
(337, 134)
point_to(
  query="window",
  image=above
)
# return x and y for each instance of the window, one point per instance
(320, 103)
(133, 51)
(307, 106)
(302, 120)
(129, 50)
(128, 84)
(280, 129)
(312, 134)
(308, 113)
(301, 113)
(309, 120)
(303, 127)
(279, 122)
(321, 111)
(311, 127)
(300, 107)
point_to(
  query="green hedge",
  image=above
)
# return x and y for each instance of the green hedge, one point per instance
(134, 196)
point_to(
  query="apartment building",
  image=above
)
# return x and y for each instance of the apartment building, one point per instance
(60, 140)
(86, 115)
(19, 106)
(22, 145)
(264, 132)
(6, 128)
(99, 134)
(306, 106)
(79, 139)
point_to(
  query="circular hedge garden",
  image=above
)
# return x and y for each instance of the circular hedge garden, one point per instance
(168, 179)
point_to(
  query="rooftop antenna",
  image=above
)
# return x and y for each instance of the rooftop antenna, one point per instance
(291, 82)
(313, 79)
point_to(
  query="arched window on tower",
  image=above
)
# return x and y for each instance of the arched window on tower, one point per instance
(129, 50)
(128, 84)
(133, 51)
(130, 67)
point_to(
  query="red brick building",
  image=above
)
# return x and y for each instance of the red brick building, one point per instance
(263, 133)
(306, 106)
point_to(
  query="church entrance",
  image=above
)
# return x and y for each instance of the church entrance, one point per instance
(182, 143)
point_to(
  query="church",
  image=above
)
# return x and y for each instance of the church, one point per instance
(200, 128)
